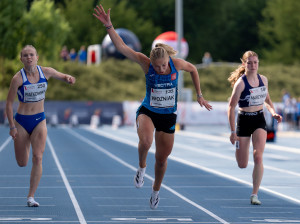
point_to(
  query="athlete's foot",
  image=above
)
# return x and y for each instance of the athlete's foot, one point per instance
(32, 203)
(254, 200)
(154, 200)
(139, 178)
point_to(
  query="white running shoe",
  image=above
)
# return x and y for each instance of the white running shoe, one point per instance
(254, 200)
(32, 203)
(139, 178)
(154, 200)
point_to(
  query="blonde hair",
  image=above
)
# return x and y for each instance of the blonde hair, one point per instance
(236, 74)
(31, 46)
(161, 51)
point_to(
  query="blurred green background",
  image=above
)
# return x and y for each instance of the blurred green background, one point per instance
(225, 28)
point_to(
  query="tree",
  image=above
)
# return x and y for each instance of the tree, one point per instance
(45, 28)
(226, 28)
(11, 13)
(87, 30)
(279, 31)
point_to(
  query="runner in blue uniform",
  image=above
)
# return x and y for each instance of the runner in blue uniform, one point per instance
(28, 127)
(158, 109)
(250, 92)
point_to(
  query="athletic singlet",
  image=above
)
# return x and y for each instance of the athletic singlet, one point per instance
(253, 96)
(32, 92)
(161, 91)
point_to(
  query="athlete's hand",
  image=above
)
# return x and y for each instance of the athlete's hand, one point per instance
(70, 79)
(233, 138)
(203, 102)
(277, 117)
(13, 133)
(102, 16)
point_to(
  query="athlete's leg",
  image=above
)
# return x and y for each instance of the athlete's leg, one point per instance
(22, 146)
(259, 141)
(242, 152)
(164, 144)
(38, 142)
(145, 129)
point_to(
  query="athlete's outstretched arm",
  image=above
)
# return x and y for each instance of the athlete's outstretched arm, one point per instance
(51, 72)
(138, 57)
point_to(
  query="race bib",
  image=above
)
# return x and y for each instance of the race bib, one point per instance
(162, 97)
(257, 96)
(35, 92)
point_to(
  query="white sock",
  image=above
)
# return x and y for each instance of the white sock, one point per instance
(143, 170)
(155, 193)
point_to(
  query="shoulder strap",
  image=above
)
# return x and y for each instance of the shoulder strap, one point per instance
(261, 83)
(23, 74)
(41, 72)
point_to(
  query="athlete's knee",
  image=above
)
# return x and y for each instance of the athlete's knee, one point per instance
(242, 164)
(161, 161)
(37, 159)
(258, 158)
(22, 163)
(145, 143)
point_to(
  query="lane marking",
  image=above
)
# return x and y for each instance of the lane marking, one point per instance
(67, 184)
(224, 139)
(209, 170)
(5, 143)
(277, 221)
(104, 151)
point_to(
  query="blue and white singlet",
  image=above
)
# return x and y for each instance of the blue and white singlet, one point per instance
(32, 92)
(253, 96)
(161, 91)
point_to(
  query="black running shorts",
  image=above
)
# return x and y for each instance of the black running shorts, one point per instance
(162, 122)
(248, 122)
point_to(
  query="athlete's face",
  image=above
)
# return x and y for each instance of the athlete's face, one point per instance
(251, 64)
(161, 65)
(29, 56)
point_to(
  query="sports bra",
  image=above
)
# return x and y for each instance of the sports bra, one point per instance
(32, 92)
(253, 96)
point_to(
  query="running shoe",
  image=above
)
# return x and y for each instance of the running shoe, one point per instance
(254, 200)
(154, 200)
(32, 203)
(139, 179)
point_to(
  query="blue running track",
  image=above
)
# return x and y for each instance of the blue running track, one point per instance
(88, 178)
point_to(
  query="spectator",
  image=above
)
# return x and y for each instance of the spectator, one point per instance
(207, 59)
(64, 54)
(73, 54)
(82, 55)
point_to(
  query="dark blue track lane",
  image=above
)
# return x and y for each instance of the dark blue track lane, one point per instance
(99, 177)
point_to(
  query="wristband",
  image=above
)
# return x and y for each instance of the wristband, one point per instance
(108, 27)
(12, 128)
(232, 132)
(199, 95)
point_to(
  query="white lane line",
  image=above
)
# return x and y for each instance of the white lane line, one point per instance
(147, 176)
(5, 143)
(67, 184)
(188, 163)
(224, 139)
(197, 149)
